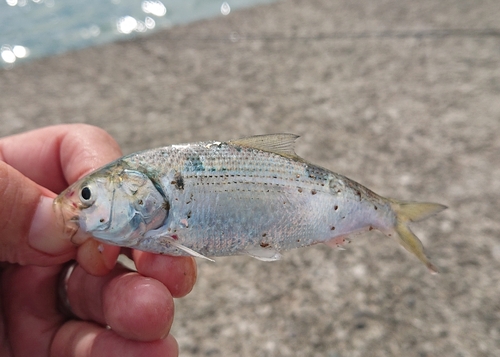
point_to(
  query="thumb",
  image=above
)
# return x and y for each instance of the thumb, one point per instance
(29, 233)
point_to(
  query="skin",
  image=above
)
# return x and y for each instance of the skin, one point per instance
(138, 306)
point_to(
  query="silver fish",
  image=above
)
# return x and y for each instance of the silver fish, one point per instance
(251, 196)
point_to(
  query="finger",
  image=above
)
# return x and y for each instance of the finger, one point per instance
(29, 298)
(28, 230)
(178, 274)
(56, 156)
(84, 339)
(97, 258)
(135, 307)
(4, 345)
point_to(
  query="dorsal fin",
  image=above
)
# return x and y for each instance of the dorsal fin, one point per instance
(281, 144)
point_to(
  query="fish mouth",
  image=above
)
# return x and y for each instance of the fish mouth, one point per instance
(68, 218)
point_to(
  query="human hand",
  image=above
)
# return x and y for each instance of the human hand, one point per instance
(138, 306)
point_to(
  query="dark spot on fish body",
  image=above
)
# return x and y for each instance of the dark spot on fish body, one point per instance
(332, 228)
(376, 208)
(300, 190)
(178, 181)
(140, 202)
(166, 206)
(264, 245)
(313, 192)
(189, 215)
(102, 220)
(371, 228)
(265, 234)
(336, 207)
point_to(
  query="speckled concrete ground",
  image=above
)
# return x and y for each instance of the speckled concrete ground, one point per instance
(401, 96)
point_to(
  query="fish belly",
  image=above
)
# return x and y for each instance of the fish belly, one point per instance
(247, 216)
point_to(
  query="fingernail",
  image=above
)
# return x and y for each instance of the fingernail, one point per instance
(46, 234)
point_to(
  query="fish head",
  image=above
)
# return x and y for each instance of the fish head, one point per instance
(114, 205)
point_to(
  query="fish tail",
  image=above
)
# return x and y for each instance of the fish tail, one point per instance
(407, 212)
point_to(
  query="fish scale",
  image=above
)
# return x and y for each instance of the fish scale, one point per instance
(223, 174)
(252, 196)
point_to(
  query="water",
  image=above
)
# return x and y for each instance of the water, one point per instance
(32, 29)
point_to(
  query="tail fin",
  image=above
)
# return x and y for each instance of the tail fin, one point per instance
(413, 212)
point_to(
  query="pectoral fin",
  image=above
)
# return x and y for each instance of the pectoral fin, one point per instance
(158, 234)
(191, 252)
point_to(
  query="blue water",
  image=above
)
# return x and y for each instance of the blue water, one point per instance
(32, 29)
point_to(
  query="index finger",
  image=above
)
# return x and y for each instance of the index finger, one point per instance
(57, 156)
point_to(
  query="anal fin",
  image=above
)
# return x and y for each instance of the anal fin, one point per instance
(338, 242)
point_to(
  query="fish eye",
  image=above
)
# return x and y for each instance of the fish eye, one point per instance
(86, 195)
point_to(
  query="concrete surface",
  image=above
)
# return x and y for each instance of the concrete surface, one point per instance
(401, 96)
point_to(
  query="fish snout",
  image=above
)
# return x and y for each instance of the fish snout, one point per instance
(68, 217)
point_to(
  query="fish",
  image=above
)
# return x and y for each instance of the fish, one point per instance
(251, 196)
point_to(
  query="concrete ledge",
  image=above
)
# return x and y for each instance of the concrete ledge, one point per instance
(400, 96)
